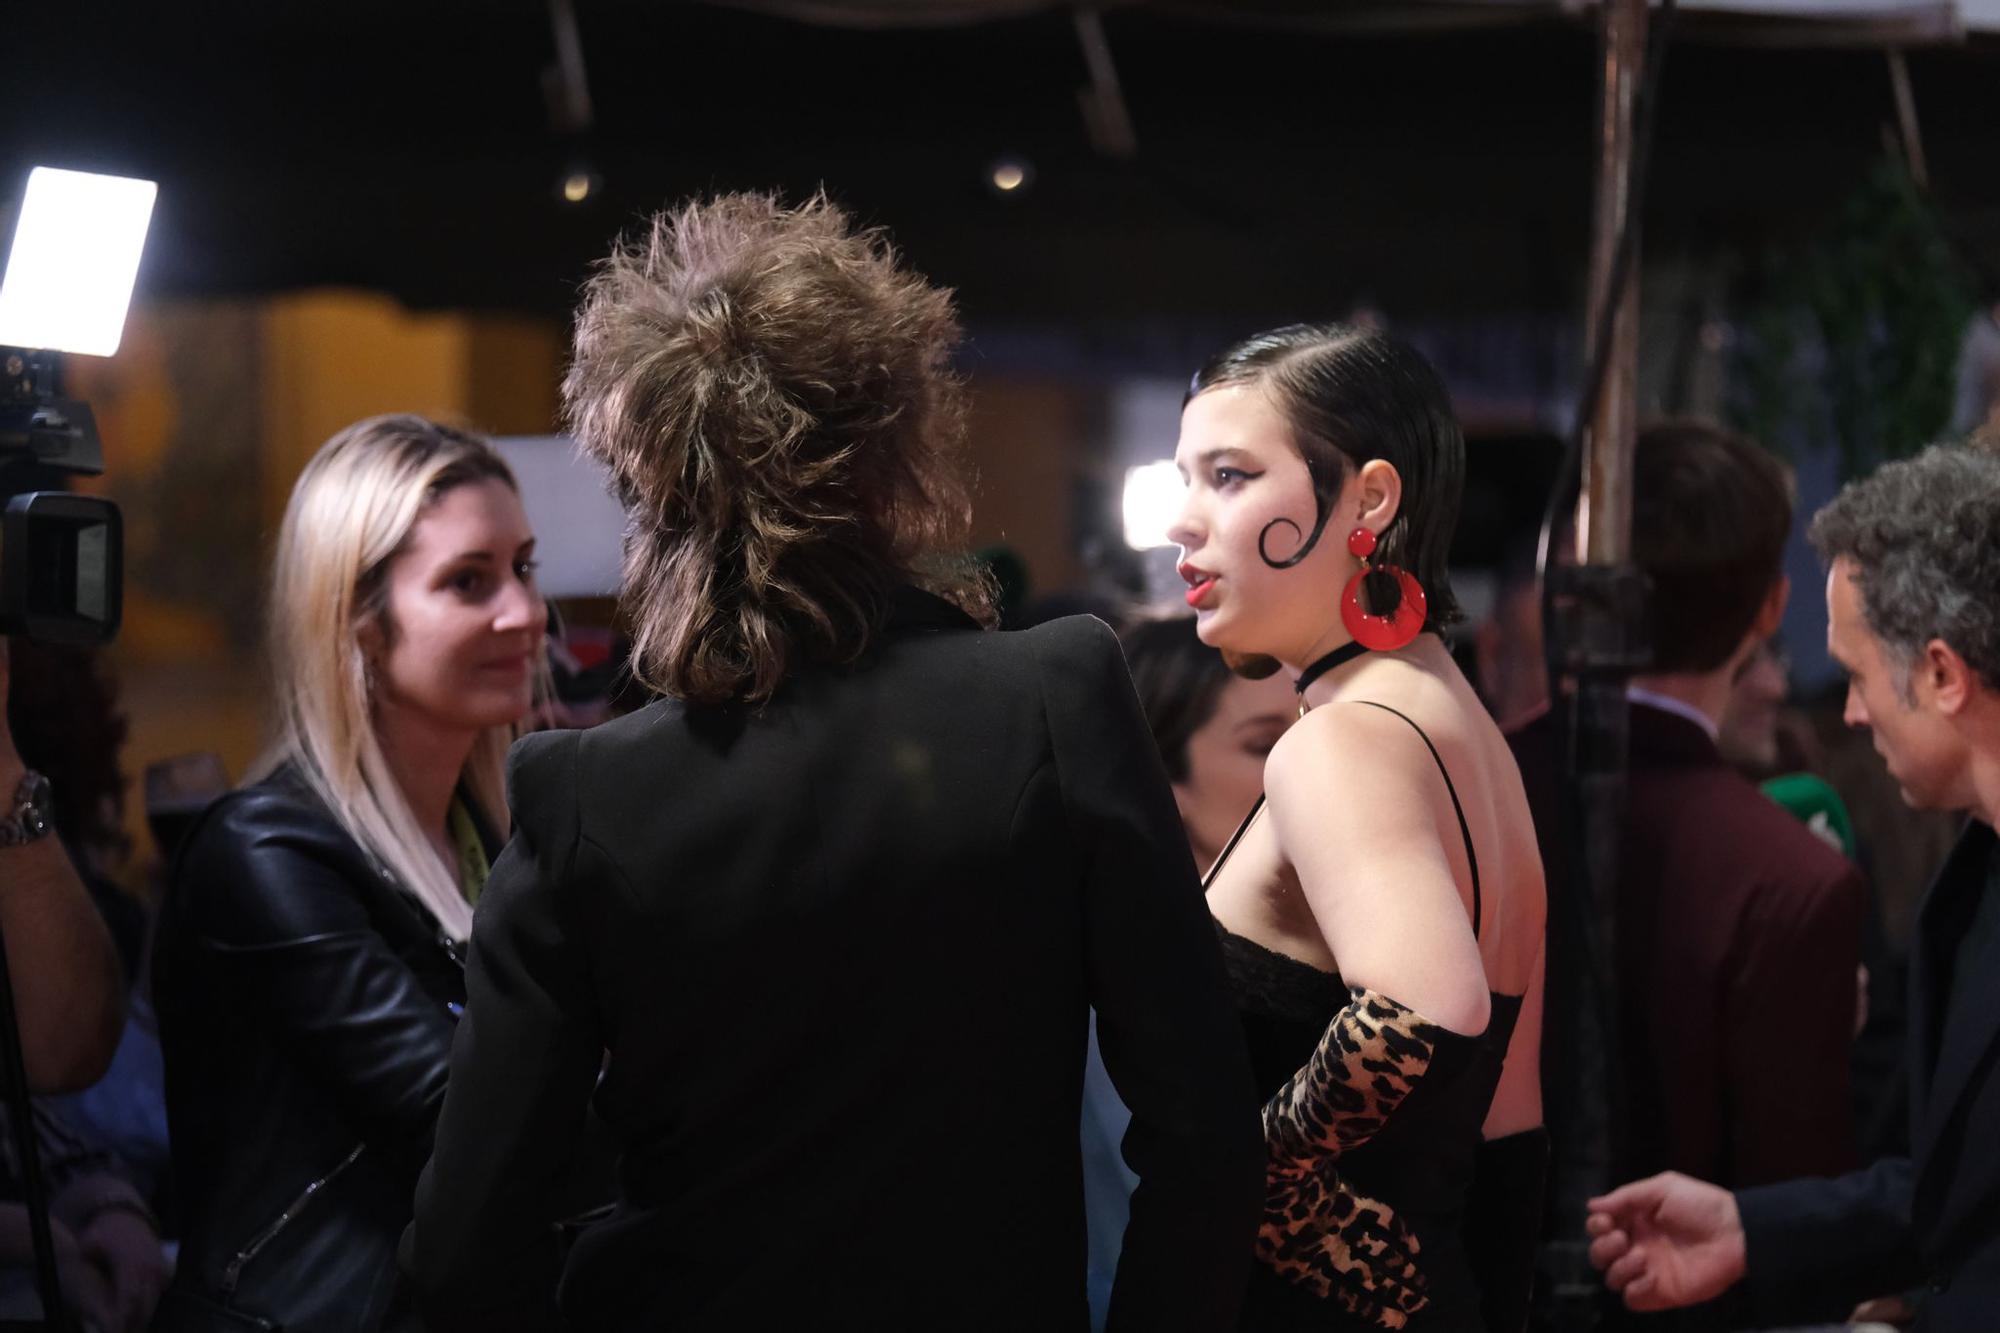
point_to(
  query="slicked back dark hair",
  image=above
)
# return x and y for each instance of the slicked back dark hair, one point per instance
(1352, 395)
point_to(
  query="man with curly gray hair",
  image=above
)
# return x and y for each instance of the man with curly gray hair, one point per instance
(1913, 600)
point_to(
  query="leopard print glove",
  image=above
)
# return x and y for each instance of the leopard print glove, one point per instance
(1318, 1231)
(1320, 1234)
(1374, 1051)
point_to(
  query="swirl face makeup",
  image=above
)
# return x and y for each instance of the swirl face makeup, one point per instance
(1249, 509)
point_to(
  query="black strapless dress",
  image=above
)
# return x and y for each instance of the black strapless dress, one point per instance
(1421, 1161)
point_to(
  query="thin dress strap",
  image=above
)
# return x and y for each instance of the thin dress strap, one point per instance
(1464, 830)
(1230, 846)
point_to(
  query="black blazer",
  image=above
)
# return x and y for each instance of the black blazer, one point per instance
(839, 951)
(1816, 1247)
(306, 1008)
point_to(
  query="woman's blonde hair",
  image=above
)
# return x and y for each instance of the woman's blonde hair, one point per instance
(350, 514)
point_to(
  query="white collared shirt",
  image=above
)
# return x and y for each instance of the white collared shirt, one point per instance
(1678, 707)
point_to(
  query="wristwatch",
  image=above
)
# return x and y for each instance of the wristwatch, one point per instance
(30, 815)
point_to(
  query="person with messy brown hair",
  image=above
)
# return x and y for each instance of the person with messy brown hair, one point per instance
(772, 392)
(829, 915)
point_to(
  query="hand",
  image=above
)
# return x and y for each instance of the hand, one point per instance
(85, 1288)
(1667, 1241)
(1884, 1310)
(127, 1251)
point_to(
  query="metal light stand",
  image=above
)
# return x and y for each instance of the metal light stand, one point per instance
(1593, 616)
(23, 378)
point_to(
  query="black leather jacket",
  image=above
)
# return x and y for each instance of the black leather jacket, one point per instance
(306, 1004)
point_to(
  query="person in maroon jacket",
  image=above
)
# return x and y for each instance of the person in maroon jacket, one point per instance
(1739, 930)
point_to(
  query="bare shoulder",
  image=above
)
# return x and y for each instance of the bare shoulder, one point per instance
(1344, 748)
(1352, 817)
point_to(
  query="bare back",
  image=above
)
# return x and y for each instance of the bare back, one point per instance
(1364, 794)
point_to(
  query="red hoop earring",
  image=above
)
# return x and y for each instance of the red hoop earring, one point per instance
(1381, 633)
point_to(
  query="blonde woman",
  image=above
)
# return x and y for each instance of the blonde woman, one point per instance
(309, 960)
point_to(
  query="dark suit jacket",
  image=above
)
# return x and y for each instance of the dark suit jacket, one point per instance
(1739, 935)
(1816, 1247)
(840, 950)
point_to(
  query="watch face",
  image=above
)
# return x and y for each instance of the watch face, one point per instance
(32, 810)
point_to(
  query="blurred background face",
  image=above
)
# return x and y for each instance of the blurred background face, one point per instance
(1921, 749)
(1512, 672)
(464, 621)
(1749, 725)
(1243, 474)
(1225, 760)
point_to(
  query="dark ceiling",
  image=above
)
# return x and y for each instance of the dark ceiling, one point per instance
(408, 148)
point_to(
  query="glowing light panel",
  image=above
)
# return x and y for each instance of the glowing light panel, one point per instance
(76, 253)
(1153, 495)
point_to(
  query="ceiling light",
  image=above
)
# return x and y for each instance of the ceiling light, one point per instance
(1010, 175)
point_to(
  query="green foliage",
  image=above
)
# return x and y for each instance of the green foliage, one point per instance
(1880, 293)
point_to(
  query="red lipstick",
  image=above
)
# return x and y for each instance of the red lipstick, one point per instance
(1199, 582)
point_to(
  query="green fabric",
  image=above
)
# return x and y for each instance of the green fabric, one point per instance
(472, 866)
(1817, 806)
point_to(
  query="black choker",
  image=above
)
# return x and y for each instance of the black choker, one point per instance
(1347, 652)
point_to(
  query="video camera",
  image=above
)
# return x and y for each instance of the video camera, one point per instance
(67, 285)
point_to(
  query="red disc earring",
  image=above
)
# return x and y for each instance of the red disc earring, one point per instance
(1381, 633)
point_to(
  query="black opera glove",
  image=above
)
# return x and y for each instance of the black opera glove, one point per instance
(1318, 1231)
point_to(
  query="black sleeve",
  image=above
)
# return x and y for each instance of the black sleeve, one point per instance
(1817, 1248)
(1171, 1042)
(271, 900)
(66, 1156)
(1503, 1221)
(482, 1248)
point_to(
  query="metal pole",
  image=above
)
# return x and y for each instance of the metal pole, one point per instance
(1906, 117)
(1105, 113)
(1597, 640)
(1604, 514)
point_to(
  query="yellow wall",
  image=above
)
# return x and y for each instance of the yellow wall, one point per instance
(1027, 448)
(331, 358)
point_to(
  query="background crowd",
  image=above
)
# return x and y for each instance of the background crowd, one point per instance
(323, 973)
(291, 1016)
